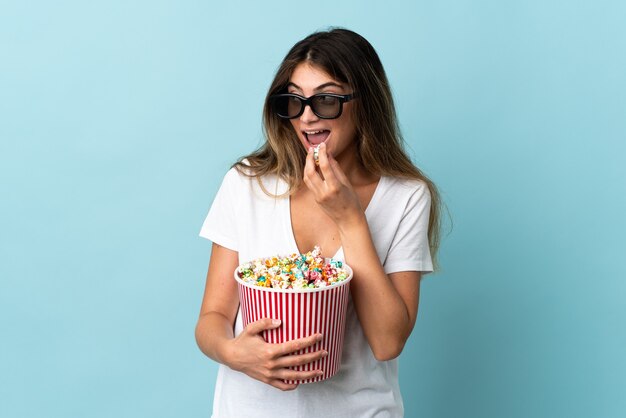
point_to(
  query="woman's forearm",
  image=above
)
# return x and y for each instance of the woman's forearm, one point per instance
(213, 332)
(382, 311)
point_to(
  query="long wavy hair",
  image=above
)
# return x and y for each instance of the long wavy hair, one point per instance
(349, 58)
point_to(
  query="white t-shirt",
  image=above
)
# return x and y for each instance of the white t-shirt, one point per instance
(245, 219)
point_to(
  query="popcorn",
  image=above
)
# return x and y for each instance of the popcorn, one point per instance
(296, 271)
(316, 154)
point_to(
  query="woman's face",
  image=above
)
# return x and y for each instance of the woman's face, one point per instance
(338, 134)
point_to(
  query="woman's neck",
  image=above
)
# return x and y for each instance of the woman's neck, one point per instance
(353, 168)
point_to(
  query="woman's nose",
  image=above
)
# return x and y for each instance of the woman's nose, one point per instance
(308, 115)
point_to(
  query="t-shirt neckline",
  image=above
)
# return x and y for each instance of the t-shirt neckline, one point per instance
(339, 253)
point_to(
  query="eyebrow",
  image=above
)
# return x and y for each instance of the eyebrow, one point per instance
(318, 88)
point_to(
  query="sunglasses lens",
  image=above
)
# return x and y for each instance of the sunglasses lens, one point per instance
(294, 106)
(326, 106)
(286, 106)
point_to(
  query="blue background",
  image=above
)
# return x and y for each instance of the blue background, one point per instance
(119, 118)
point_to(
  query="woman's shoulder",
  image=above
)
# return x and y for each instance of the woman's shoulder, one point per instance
(241, 171)
(246, 168)
(242, 174)
(404, 185)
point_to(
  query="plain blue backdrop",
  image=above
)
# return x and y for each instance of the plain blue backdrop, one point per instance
(118, 120)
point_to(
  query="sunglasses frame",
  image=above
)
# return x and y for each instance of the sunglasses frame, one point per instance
(308, 101)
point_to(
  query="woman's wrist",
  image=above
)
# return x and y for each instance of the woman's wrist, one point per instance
(214, 344)
(353, 224)
(223, 351)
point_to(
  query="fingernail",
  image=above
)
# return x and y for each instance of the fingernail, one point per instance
(275, 321)
(325, 353)
(320, 373)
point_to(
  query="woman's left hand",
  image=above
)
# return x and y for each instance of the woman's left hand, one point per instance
(332, 190)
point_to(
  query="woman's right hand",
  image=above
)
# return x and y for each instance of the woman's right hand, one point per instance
(249, 353)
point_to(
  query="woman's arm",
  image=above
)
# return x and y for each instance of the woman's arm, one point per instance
(385, 304)
(248, 352)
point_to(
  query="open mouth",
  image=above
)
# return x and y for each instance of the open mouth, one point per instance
(316, 137)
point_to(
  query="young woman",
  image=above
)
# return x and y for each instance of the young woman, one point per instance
(364, 203)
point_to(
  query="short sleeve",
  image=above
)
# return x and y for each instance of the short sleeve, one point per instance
(410, 250)
(220, 225)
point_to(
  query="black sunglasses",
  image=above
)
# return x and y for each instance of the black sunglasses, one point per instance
(324, 105)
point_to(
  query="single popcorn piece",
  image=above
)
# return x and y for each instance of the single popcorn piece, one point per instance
(296, 271)
(316, 154)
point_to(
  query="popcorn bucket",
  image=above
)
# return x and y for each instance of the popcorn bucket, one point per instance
(303, 312)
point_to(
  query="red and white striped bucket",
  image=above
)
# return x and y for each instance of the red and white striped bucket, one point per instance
(302, 313)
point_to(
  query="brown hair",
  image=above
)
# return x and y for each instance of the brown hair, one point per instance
(349, 58)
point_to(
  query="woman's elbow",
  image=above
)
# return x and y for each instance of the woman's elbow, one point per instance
(388, 350)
